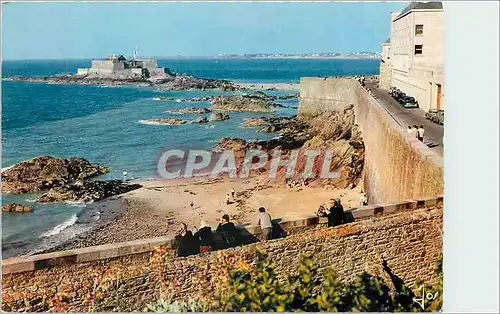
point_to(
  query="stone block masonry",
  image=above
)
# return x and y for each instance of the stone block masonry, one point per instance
(397, 167)
(126, 276)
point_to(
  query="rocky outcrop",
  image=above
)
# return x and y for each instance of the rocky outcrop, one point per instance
(16, 208)
(334, 125)
(46, 172)
(192, 110)
(254, 122)
(257, 102)
(169, 81)
(290, 96)
(188, 82)
(218, 116)
(163, 121)
(86, 192)
(197, 99)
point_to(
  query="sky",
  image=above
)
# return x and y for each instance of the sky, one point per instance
(89, 30)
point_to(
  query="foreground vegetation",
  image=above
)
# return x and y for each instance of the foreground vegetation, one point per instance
(258, 289)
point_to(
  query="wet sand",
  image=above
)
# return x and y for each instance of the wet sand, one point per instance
(159, 207)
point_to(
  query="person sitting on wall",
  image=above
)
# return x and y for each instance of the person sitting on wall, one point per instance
(228, 231)
(363, 199)
(188, 245)
(420, 133)
(181, 232)
(335, 213)
(322, 211)
(204, 234)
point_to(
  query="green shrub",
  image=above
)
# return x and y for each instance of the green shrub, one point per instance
(258, 289)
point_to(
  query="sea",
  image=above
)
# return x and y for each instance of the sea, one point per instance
(101, 124)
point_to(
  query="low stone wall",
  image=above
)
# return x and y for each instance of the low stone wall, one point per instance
(397, 166)
(127, 276)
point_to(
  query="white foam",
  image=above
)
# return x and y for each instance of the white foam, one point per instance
(3, 169)
(149, 122)
(75, 203)
(60, 227)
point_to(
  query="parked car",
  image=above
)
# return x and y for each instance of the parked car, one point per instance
(436, 116)
(440, 117)
(403, 99)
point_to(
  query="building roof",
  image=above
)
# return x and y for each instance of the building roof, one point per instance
(387, 41)
(436, 5)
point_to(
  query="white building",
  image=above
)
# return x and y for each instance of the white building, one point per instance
(413, 61)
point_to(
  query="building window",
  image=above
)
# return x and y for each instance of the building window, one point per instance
(419, 49)
(419, 29)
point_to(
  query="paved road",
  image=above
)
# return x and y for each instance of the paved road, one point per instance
(409, 116)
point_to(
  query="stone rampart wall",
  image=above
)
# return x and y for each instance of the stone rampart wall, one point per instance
(127, 276)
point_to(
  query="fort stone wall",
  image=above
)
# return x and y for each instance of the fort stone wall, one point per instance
(397, 167)
(127, 276)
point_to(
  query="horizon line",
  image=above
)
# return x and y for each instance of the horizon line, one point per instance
(227, 56)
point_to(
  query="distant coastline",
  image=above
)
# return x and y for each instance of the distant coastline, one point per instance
(349, 56)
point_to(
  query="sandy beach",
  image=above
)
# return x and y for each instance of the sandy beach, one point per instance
(159, 207)
(278, 86)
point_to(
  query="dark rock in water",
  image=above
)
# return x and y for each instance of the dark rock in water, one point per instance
(254, 122)
(168, 81)
(291, 96)
(256, 102)
(199, 120)
(190, 110)
(219, 116)
(17, 208)
(197, 99)
(46, 172)
(87, 192)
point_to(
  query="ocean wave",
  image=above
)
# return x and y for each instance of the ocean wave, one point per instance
(149, 122)
(31, 200)
(75, 203)
(60, 227)
(3, 169)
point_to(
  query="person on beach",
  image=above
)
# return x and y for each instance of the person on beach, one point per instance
(188, 245)
(265, 223)
(410, 130)
(125, 175)
(227, 199)
(420, 133)
(228, 231)
(363, 199)
(204, 234)
(232, 192)
(191, 204)
(335, 213)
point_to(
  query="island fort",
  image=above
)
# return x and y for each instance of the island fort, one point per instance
(117, 65)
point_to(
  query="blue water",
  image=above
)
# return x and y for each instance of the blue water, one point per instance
(101, 125)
